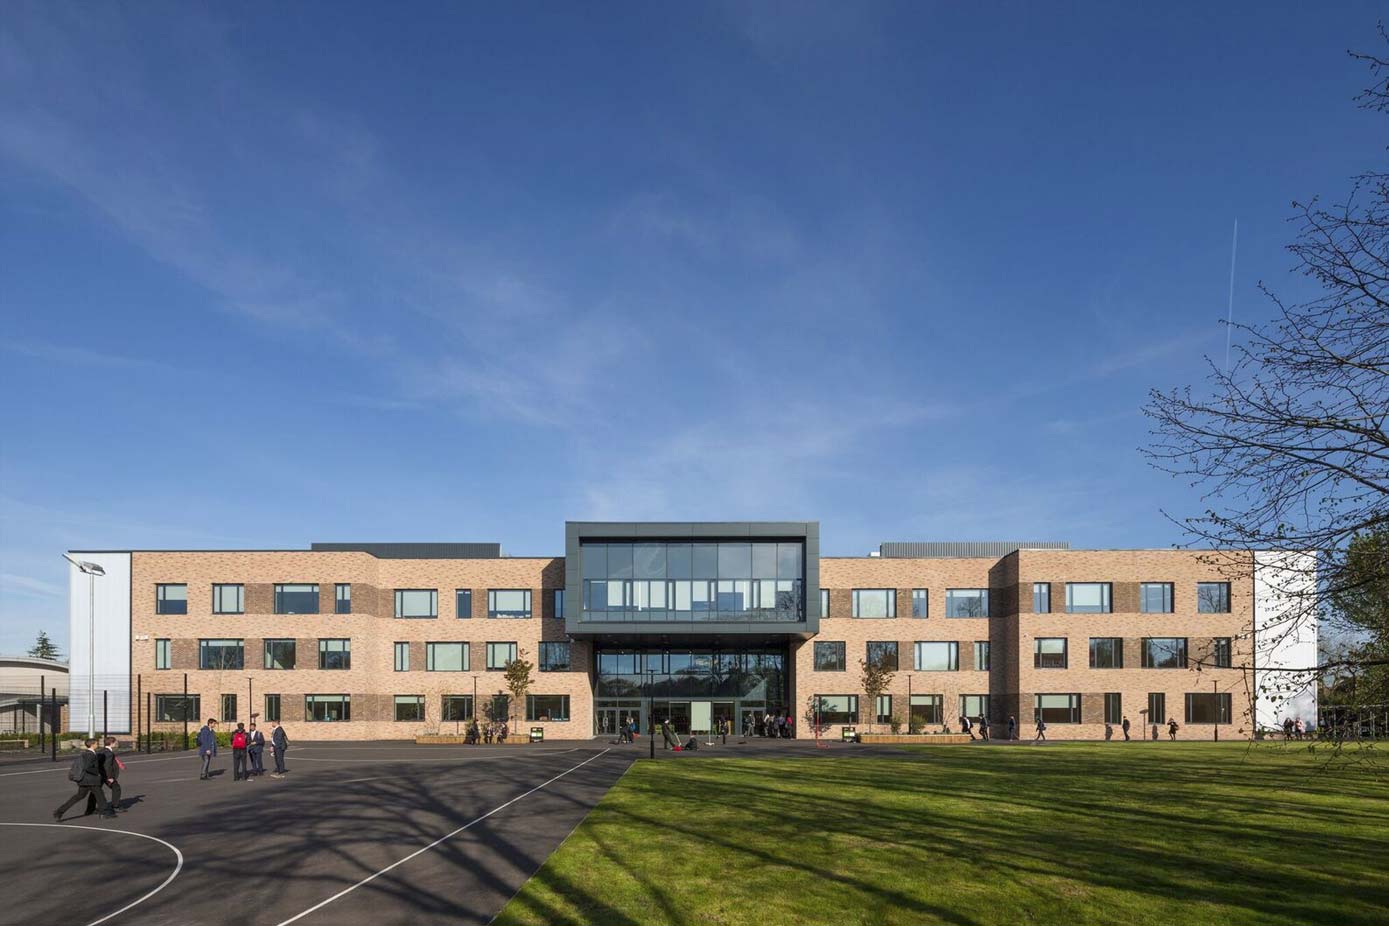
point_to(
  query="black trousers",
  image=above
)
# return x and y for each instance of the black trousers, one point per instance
(95, 799)
(239, 765)
(279, 761)
(115, 801)
(257, 763)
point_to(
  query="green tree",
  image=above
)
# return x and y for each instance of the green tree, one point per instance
(44, 648)
(876, 679)
(518, 677)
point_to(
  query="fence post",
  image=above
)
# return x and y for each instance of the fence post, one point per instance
(139, 685)
(105, 725)
(149, 734)
(56, 720)
(185, 710)
(43, 686)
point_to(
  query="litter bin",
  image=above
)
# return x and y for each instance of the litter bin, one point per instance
(537, 734)
(849, 734)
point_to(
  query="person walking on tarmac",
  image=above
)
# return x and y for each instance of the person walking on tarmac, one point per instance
(667, 736)
(109, 767)
(86, 774)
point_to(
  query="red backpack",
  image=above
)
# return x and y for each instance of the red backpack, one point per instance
(238, 740)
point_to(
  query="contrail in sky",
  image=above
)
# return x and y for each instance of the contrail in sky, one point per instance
(1230, 310)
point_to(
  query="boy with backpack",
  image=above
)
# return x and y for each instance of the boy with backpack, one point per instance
(239, 742)
(86, 774)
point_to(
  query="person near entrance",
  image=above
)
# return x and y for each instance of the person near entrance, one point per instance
(667, 736)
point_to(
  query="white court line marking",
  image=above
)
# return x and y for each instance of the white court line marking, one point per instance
(372, 778)
(62, 767)
(101, 829)
(444, 838)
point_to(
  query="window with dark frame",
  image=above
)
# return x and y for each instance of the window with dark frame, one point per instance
(875, 602)
(446, 657)
(327, 708)
(499, 654)
(1041, 597)
(456, 708)
(1208, 707)
(921, 602)
(228, 707)
(463, 603)
(1220, 652)
(177, 708)
(829, 656)
(280, 654)
(272, 709)
(163, 653)
(221, 654)
(824, 602)
(554, 656)
(342, 598)
(937, 656)
(1113, 707)
(228, 599)
(1089, 598)
(409, 708)
(966, 602)
(1056, 708)
(1106, 652)
(974, 706)
(1164, 652)
(558, 595)
(882, 653)
(402, 656)
(416, 603)
(335, 654)
(296, 598)
(1157, 707)
(1213, 597)
(171, 598)
(1155, 598)
(1049, 653)
(509, 603)
(981, 655)
(927, 709)
(837, 708)
(884, 711)
(543, 708)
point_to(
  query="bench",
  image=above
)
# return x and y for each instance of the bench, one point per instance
(15, 744)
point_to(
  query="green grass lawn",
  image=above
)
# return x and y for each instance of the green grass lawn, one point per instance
(1067, 833)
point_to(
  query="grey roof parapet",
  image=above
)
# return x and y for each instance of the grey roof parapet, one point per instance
(415, 550)
(964, 549)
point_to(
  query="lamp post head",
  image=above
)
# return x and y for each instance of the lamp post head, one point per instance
(91, 569)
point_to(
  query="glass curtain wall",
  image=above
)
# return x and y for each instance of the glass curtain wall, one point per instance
(744, 685)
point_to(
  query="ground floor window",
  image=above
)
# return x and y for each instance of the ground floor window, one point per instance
(228, 707)
(837, 708)
(1157, 707)
(541, 707)
(272, 708)
(1113, 707)
(928, 709)
(327, 708)
(1057, 708)
(498, 707)
(884, 709)
(455, 708)
(974, 706)
(409, 707)
(177, 708)
(1208, 707)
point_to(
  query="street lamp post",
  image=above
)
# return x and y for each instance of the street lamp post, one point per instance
(92, 570)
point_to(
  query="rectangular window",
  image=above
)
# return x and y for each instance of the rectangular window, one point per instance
(1113, 707)
(829, 656)
(1087, 597)
(938, 656)
(227, 599)
(446, 657)
(1208, 707)
(499, 707)
(342, 598)
(280, 654)
(456, 708)
(927, 709)
(1155, 597)
(884, 714)
(554, 657)
(171, 599)
(228, 707)
(981, 655)
(1049, 653)
(177, 708)
(327, 708)
(541, 708)
(921, 603)
(409, 708)
(296, 599)
(402, 657)
(1056, 708)
(559, 603)
(882, 653)
(221, 654)
(1213, 597)
(824, 602)
(1164, 652)
(966, 602)
(1106, 652)
(163, 654)
(1157, 707)
(463, 603)
(837, 708)
(498, 655)
(416, 602)
(1041, 597)
(875, 602)
(974, 706)
(511, 602)
(1220, 652)
(335, 654)
(272, 709)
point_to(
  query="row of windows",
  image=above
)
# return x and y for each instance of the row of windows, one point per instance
(1081, 598)
(1108, 653)
(337, 654)
(929, 709)
(327, 708)
(925, 709)
(943, 656)
(172, 598)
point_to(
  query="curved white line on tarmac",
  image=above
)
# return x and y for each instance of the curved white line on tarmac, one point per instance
(101, 829)
(443, 838)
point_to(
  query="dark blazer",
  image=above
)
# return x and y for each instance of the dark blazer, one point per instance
(89, 775)
(279, 738)
(256, 741)
(207, 741)
(106, 764)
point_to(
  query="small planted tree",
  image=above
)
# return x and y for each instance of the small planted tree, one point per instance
(877, 678)
(813, 717)
(518, 677)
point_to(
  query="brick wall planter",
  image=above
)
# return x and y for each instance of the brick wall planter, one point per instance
(901, 739)
(451, 739)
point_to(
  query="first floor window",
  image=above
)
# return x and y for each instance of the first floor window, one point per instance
(498, 655)
(1213, 597)
(409, 707)
(177, 708)
(1057, 708)
(542, 707)
(927, 709)
(272, 708)
(301, 598)
(228, 707)
(446, 657)
(882, 653)
(1088, 598)
(463, 603)
(227, 599)
(824, 602)
(1208, 707)
(1041, 597)
(967, 602)
(974, 706)
(509, 602)
(875, 602)
(1164, 652)
(837, 708)
(221, 654)
(342, 598)
(456, 708)
(280, 654)
(943, 656)
(1155, 597)
(981, 655)
(163, 654)
(829, 656)
(554, 657)
(1049, 653)
(559, 603)
(402, 657)
(335, 654)
(884, 712)
(1113, 707)
(1106, 652)
(171, 599)
(327, 708)
(1157, 707)
(1220, 652)
(417, 602)
(920, 603)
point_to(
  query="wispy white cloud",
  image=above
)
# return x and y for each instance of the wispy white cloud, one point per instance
(76, 355)
(27, 586)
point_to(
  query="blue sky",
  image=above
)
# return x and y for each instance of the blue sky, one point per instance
(328, 272)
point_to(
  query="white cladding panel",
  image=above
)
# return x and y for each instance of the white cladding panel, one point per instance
(1285, 637)
(112, 636)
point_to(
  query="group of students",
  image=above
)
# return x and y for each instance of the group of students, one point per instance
(775, 726)
(94, 769)
(492, 731)
(248, 748)
(1293, 729)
